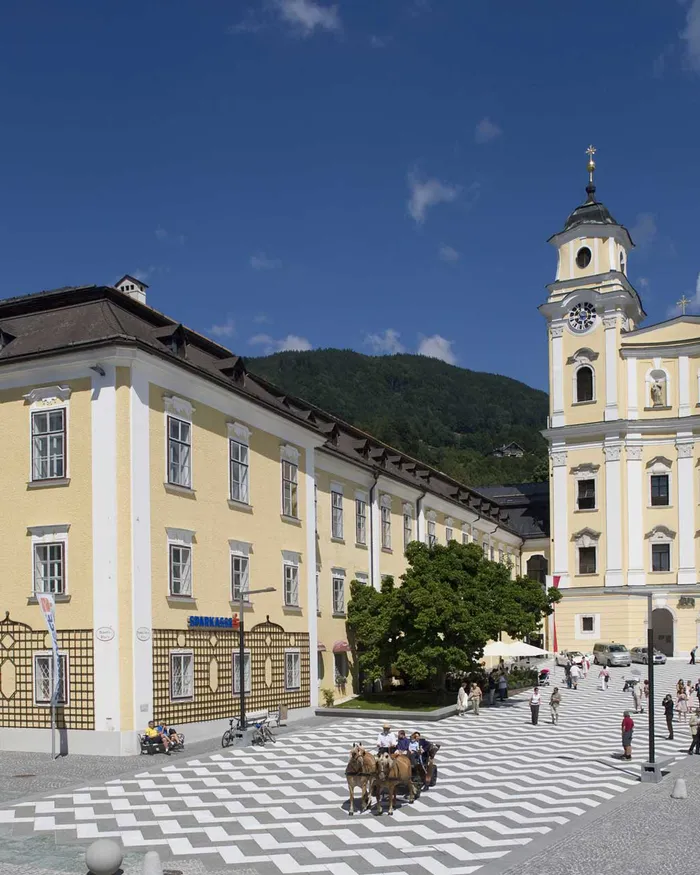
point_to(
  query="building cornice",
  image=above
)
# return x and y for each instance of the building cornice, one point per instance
(622, 427)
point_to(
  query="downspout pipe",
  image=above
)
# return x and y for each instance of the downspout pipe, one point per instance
(372, 540)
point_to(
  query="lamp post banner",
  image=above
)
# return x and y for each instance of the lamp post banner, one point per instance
(48, 609)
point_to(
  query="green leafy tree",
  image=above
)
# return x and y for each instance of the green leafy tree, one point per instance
(451, 602)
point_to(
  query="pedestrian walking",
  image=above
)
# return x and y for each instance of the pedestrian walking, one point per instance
(492, 689)
(667, 705)
(502, 687)
(682, 707)
(585, 667)
(535, 702)
(692, 655)
(627, 730)
(604, 678)
(694, 734)
(567, 673)
(637, 695)
(475, 696)
(574, 674)
(462, 700)
(554, 703)
(645, 695)
(690, 693)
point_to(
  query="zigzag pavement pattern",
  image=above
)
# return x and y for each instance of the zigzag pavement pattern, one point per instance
(502, 784)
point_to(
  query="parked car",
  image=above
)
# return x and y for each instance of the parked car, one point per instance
(611, 654)
(639, 654)
(565, 655)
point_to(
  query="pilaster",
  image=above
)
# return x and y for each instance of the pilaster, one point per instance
(556, 333)
(686, 510)
(560, 514)
(632, 402)
(636, 575)
(683, 385)
(613, 512)
(310, 475)
(610, 323)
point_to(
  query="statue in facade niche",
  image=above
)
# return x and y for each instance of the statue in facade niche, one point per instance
(658, 393)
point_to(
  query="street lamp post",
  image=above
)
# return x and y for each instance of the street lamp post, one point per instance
(243, 596)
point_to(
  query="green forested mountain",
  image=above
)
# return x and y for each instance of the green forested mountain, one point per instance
(446, 416)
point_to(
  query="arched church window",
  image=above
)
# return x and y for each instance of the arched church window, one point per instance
(584, 383)
(583, 257)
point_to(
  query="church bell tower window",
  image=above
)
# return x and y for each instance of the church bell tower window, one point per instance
(583, 257)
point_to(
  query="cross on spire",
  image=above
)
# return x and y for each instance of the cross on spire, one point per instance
(590, 188)
(683, 303)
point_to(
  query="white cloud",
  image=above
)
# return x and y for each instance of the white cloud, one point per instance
(260, 318)
(387, 343)
(691, 36)
(428, 193)
(168, 237)
(306, 16)
(224, 329)
(378, 42)
(447, 253)
(644, 230)
(250, 23)
(486, 130)
(285, 344)
(693, 305)
(260, 261)
(144, 273)
(437, 347)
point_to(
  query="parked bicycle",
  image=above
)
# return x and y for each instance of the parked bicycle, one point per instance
(232, 733)
(262, 732)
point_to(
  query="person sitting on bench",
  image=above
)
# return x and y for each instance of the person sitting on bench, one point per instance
(155, 737)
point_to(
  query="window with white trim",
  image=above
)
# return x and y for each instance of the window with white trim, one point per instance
(407, 525)
(48, 444)
(318, 591)
(585, 494)
(492, 553)
(658, 490)
(180, 570)
(336, 515)
(239, 471)
(432, 536)
(291, 585)
(179, 452)
(236, 670)
(585, 384)
(292, 670)
(385, 516)
(661, 557)
(290, 477)
(449, 530)
(44, 679)
(338, 583)
(587, 623)
(360, 521)
(240, 570)
(50, 567)
(485, 548)
(501, 556)
(181, 675)
(362, 578)
(465, 534)
(586, 542)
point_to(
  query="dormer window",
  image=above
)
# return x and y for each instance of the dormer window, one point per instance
(583, 257)
(5, 339)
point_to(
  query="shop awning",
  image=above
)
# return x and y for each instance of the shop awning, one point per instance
(321, 647)
(341, 647)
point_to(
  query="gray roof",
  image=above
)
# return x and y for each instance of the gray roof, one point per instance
(527, 505)
(84, 317)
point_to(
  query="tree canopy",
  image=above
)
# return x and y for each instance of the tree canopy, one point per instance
(451, 602)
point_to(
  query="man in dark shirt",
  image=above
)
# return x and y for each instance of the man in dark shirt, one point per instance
(667, 704)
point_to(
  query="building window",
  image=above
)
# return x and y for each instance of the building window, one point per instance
(45, 680)
(585, 499)
(360, 521)
(179, 452)
(584, 384)
(238, 455)
(318, 591)
(50, 568)
(587, 624)
(386, 526)
(586, 560)
(49, 444)
(501, 556)
(290, 474)
(407, 528)
(465, 534)
(237, 672)
(182, 676)
(292, 670)
(449, 531)
(659, 490)
(362, 578)
(337, 515)
(291, 585)
(660, 557)
(432, 537)
(492, 553)
(240, 582)
(180, 570)
(338, 595)
(485, 548)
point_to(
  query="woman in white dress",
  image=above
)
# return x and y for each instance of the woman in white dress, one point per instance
(462, 700)
(604, 677)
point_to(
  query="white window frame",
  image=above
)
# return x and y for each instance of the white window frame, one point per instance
(235, 672)
(466, 533)
(385, 521)
(47, 400)
(337, 512)
(290, 561)
(586, 472)
(659, 466)
(240, 550)
(431, 528)
(179, 653)
(318, 590)
(362, 578)
(580, 634)
(65, 678)
(182, 539)
(179, 409)
(238, 441)
(586, 538)
(296, 680)
(289, 456)
(501, 556)
(661, 535)
(338, 576)
(361, 504)
(577, 400)
(449, 529)
(407, 529)
(485, 548)
(43, 536)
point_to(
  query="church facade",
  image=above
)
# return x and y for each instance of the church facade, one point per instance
(623, 434)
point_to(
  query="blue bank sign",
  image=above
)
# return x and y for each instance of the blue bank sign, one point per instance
(218, 622)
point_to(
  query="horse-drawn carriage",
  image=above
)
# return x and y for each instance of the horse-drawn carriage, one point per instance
(388, 771)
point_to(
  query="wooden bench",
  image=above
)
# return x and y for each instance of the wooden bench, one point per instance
(277, 717)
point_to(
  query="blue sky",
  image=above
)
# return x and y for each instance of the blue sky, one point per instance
(374, 174)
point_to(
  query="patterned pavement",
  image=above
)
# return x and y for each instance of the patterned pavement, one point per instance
(502, 784)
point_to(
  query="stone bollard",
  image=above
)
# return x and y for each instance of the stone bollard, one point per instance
(104, 857)
(679, 790)
(152, 864)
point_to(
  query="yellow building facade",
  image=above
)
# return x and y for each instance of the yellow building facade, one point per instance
(623, 449)
(151, 479)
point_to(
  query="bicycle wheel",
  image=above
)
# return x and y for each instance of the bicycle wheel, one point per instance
(267, 732)
(226, 738)
(258, 737)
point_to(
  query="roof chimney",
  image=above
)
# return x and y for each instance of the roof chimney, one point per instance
(132, 287)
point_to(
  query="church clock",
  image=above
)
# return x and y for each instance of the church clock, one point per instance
(582, 316)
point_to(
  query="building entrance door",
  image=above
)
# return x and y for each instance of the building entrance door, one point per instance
(662, 627)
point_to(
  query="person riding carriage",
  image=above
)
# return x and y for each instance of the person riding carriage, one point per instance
(386, 741)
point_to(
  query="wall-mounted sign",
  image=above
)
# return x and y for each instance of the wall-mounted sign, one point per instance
(686, 601)
(213, 622)
(105, 633)
(143, 634)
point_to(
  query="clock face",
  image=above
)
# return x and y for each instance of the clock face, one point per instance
(582, 316)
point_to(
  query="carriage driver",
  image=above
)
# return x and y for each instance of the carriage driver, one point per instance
(386, 741)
